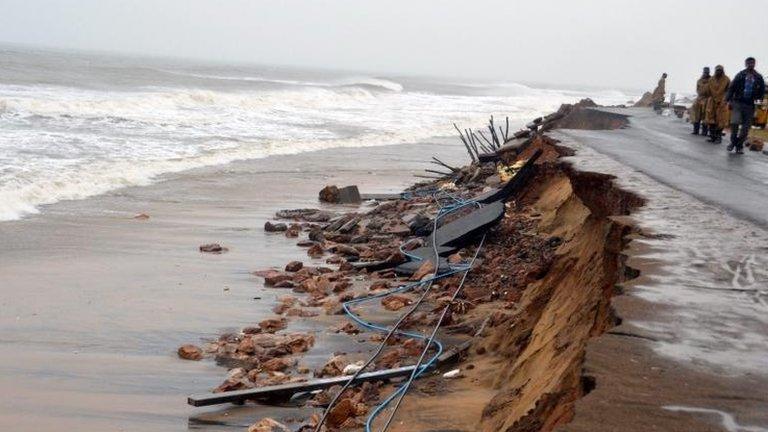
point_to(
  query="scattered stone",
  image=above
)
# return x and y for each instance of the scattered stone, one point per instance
(284, 304)
(347, 251)
(455, 258)
(304, 313)
(390, 359)
(251, 330)
(275, 227)
(426, 269)
(278, 364)
(340, 413)
(395, 302)
(190, 352)
(268, 425)
(213, 248)
(329, 194)
(348, 328)
(379, 285)
(299, 343)
(334, 367)
(285, 284)
(341, 286)
(273, 325)
(264, 273)
(315, 251)
(294, 266)
(276, 277)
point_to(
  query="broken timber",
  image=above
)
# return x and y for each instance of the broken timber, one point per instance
(285, 391)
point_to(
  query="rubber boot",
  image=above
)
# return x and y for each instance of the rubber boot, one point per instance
(734, 138)
(718, 136)
(704, 129)
(696, 128)
(712, 133)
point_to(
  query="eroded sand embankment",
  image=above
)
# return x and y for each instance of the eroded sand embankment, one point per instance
(527, 366)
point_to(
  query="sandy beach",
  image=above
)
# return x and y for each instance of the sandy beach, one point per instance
(95, 302)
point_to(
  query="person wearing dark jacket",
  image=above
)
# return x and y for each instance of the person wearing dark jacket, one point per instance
(746, 87)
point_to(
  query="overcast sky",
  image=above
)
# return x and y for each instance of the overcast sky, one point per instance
(594, 42)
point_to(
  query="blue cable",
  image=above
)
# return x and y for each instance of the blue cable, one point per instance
(457, 204)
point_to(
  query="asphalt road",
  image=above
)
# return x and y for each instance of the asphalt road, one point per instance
(663, 148)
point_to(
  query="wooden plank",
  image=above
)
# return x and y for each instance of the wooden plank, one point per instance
(287, 390)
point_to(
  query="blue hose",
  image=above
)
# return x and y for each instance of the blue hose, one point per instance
(456, 204)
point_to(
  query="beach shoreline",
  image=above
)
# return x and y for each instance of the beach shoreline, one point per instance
(95, 302)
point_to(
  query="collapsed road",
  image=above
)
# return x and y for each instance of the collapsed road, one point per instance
(663, 149)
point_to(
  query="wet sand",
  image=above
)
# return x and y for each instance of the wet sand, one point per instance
(94, 303)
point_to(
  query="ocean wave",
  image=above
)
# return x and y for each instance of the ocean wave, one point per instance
(64, 143)
(23, 196)
(373, 83)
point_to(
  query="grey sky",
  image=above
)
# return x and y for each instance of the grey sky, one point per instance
(596, 42)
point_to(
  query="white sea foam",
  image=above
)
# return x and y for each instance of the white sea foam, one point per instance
(71, 142)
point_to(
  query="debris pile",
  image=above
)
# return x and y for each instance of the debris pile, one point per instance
(555, 226)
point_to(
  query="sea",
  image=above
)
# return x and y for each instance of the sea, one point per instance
(75, 125)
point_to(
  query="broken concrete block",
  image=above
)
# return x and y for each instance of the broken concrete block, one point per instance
(335, 195)
(349, 195)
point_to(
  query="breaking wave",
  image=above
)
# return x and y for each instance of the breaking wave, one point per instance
(372, 83)
(63, 142)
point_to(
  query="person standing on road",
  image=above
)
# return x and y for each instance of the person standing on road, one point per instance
(747, 86)
(658, 93)
(717, 108)
(697, 109)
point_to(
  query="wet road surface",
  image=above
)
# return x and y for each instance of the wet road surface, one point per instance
(663, 148)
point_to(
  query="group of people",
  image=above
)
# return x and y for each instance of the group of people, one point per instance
(721, 103)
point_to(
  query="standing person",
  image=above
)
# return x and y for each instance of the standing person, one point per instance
(658, 93)
(697, 109)
(717, 108)
(747, 86)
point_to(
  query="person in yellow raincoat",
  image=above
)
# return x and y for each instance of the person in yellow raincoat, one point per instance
(700, 104)
(717, 115)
